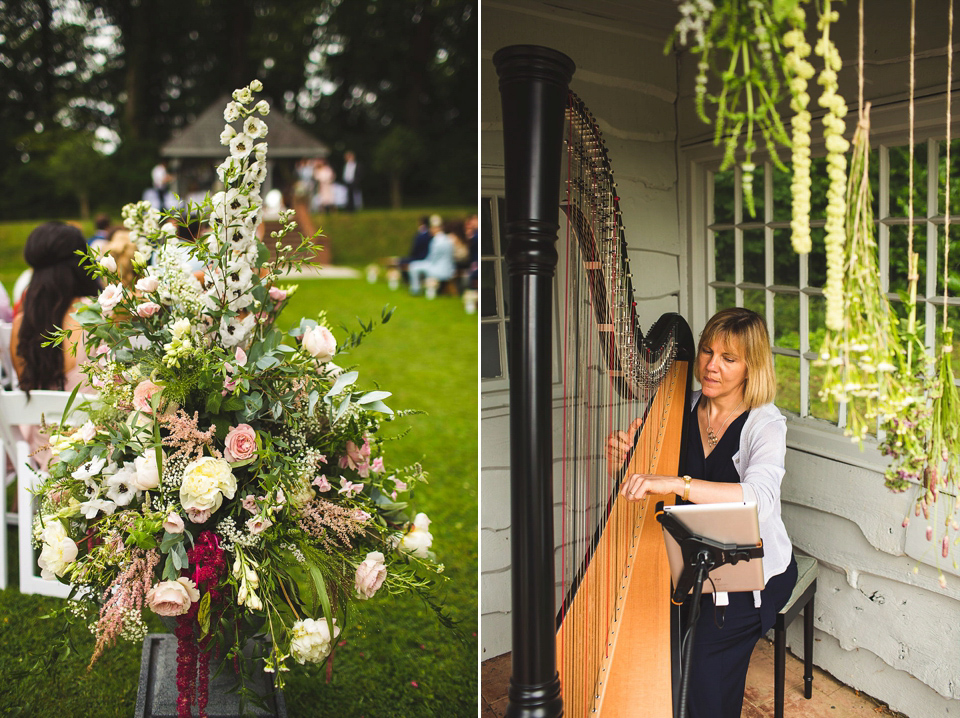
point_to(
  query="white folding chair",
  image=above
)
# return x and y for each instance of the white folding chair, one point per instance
(8, 375)
(16, 411)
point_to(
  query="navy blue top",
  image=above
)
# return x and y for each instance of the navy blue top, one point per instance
(718, 466)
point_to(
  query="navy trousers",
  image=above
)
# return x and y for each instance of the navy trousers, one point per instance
(724, 642)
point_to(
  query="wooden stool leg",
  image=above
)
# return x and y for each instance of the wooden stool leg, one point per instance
(808, 649)
(779, 666)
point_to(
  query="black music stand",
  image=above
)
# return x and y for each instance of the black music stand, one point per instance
(700, 555)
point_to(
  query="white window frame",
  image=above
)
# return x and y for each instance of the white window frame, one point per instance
(699, 162)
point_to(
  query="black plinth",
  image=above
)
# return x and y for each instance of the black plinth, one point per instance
(157, 694)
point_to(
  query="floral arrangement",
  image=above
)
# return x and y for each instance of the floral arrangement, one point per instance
(757, 51)
(228, 476)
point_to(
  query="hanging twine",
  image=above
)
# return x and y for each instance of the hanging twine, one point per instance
(912, 259)
(946, 214)
(860, 66)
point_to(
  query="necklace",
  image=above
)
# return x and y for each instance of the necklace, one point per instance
(712, 438)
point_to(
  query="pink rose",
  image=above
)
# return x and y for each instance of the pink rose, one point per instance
(320, 343)
(147, 284)
(142, 395)
(147, 309)
(173, 523)
(258, 524)
(377, 465)
(277, 294)
(110, 298)
(370, 575)
(198, 516)
(172, 598)
(321, 483)
(249, 503)
(241, 443)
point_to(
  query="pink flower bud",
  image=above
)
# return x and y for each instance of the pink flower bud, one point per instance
(277, 294)
(147, 309)
(929, 533)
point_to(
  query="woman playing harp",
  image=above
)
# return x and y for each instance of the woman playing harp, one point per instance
(735, 452)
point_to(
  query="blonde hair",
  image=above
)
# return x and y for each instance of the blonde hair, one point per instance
(748, 331)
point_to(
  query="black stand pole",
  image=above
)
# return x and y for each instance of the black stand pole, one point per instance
(700, 556)
(534, 96)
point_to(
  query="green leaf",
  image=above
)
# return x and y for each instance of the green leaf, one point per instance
(314, 397)
(169, 541)
(342, 382)
(177, 560)
(371, 396)
(213, 402)
(267, 362)
(324, 596)
(170, 571)
(379, 406)
(203, 615)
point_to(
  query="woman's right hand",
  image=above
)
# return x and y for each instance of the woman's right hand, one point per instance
(619, 445)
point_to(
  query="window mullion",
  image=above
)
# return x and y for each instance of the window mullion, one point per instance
(737, 237)
(883, 238)
(768, 247)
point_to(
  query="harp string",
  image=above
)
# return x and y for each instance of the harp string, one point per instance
(610, 376)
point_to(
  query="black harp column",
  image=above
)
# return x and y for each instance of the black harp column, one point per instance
(534, 95)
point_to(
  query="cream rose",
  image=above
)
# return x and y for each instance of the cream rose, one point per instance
(311, 641)
(172, 598)
(320, 343)
(58, 551)
(370, 575)
(147, 284)
(241, 443)
(205, 482)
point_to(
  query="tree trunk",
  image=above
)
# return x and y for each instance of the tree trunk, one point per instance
(84, 198)
(396, 195)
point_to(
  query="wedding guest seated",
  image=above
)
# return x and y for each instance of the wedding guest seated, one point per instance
(419, 246)
(57, 286)
(438, 265)
(101, 231)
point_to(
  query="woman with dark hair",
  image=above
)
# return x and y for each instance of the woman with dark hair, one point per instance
(58, 283)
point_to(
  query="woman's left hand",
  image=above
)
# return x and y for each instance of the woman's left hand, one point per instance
(639, 486)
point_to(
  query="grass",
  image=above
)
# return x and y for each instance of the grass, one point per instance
(396, 660)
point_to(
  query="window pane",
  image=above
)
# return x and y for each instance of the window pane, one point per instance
(817, 309)
(954, 178)
(488, 285)
(723, 256)
(758, 198)
(786, 321)
(788, 382)
(899, 179)
(753, 268)
(755, 299)
(726, 298)
(817, 259)
(898, 257)
(486, 229)
(782, 195)
(953, 288)
(818, 408)
(786, 262)
(723, 197)
(490, 351)
(818, 188)
(505, 286)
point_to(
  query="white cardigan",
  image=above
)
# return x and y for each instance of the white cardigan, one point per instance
(763, 445)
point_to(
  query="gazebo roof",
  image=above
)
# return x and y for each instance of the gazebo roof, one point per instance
(202, 137)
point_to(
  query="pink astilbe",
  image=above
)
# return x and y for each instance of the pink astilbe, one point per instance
(125, 595)
(186, 437)
(319, 518)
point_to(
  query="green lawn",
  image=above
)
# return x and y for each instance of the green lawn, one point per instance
(396, 660)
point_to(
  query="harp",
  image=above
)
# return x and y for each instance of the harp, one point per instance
(591, 609)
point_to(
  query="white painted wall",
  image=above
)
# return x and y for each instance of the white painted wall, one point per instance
(883, 623)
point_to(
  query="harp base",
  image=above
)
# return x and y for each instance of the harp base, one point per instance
(539, 700)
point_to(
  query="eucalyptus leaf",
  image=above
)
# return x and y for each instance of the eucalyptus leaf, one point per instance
(371, 396)
(342, 382)
(379, 406)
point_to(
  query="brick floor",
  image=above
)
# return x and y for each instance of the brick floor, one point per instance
(830, 697)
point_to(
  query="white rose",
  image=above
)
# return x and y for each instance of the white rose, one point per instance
(311, 641)
(205, 482)
(108, 262)
(58, 551)
(418, 539)
(320, 343)
(148, 473)
(147, 284)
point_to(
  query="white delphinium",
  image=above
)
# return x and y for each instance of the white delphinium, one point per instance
(799, 71)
